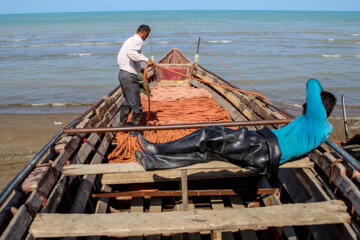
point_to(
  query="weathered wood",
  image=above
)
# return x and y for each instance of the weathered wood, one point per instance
(218, 204)
(179, 193)
(272, 200)
(155, 207)
(172, 175)
(297, 186)
(80, 169)
(14, 201)
(64, 156)
(101, 207)
(23, 217)
(55, 196)
(88, 180)
(339, 178)
(248, 101)
(136, 224)
(137, 206)
(237, 203)
(184, 190)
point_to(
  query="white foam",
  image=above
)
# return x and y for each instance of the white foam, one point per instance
(17, 40)
(163, 42)
(59, 104)
(220, 41)
(79, 54)
(355, 34)
(331, 56)
(331, 39)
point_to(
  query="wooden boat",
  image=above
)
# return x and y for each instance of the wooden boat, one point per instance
(312, 198)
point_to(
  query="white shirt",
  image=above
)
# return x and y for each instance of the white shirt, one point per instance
(130, 56)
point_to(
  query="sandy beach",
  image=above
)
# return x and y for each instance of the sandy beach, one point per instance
(23, 135)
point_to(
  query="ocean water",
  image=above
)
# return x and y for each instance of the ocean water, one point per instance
(66, 61)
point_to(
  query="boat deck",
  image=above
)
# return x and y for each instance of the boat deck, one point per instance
(78, 193)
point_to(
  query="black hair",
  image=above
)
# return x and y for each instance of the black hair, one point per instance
(329, 101)
(143, 28)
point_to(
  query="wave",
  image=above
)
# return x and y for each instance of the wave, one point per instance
(331, 56)
(54, 104)
(162, 42)
(61, 44)
(17, 40)
(79, 54)
(220, 41)
(331, 39)
(355, 34)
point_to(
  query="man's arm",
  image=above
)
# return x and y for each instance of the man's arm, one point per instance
(314, 105)
(134, 53)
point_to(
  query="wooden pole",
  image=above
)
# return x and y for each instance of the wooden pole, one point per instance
(184, 189)
(177, 126)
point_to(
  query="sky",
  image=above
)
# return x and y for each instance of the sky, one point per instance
(46, 6)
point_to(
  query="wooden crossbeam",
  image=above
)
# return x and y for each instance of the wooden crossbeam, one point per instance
(82, 169)
(137, 224)
(190, 193)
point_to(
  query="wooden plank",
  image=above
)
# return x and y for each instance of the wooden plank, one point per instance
(55, 196)
(299, 190)
(155, 206)
(23, 217)
(80, 169)
(248, 101)
(217, 204)
(237, 203)
(137, 206)
(101, 207)
(272, 200)
(137, 224)
(172, 175)
(85, 187)
(339, 178)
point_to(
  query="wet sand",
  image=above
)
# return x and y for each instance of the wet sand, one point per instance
(23, 135)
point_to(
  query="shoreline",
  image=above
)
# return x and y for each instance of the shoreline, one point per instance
(23, 135)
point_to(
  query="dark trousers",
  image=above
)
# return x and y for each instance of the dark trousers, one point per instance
(131, 90)
(256, 150)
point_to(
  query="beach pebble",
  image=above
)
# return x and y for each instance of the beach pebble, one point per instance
(57, 123)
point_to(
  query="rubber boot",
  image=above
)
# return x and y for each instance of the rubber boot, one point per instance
(211, 137)
(135, 121)
(255, 150)
(124, 114)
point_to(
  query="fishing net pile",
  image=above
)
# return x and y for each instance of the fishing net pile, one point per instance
(169, 105)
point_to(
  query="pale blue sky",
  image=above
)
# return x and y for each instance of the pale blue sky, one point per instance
(42, 6)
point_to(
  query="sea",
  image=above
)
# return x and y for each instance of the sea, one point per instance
(64, 62)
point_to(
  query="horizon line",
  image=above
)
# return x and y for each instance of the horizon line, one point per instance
(163, 10)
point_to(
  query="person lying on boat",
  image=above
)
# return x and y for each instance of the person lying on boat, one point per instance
(129, 60)
(260, 150)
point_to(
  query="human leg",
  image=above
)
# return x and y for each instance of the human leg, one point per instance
(161, 161)
(256, 150)
(194, 142)
(131, 91)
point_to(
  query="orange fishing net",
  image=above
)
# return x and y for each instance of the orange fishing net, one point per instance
(170, 105)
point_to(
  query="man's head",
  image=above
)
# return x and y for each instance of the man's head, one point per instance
(328, 100)
(143, 31)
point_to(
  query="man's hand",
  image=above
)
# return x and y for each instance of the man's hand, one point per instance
(150, 62)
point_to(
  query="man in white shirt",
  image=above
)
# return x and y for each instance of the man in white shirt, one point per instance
(129, 60)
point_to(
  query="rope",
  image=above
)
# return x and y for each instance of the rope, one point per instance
(146, 74)
(237, 74)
